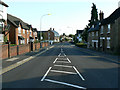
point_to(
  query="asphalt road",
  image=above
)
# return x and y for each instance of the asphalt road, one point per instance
(64, 66)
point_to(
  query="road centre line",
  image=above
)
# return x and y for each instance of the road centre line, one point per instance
(46, 73)
(63, 66)
(63, 62)
(79, 73)
(63, 83)
(62, 72)
(55, 60)
(68, 60)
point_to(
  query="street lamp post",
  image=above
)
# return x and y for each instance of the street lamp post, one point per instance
(41, 25)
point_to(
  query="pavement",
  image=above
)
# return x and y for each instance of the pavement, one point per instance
(62, 66)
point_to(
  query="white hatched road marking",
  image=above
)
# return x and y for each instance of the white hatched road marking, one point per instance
(63, 66)
(76, 86)
(68, 60)
(79, 73)
(55, 60)
(62, 72)
(66, 72)
(59, 54)
(62, 58)
(63, 62)
(46, 73)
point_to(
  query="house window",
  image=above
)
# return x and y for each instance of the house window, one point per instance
(100, 42)
(108, 28)
(92, 33)
(23, 31)
(19, 30)
(108, 42)
(27, 40)
(30, 33)
(27, 32)
(89, 34)
(101, 30)
(92, 44)
(97, 33)
(96, 44)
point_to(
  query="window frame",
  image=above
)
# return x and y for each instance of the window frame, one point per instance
(101, 30)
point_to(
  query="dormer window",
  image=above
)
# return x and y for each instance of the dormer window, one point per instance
(97, 33)
(109, 28)
(92, 33)
(101, 32)
(23, 31)
(19, 29)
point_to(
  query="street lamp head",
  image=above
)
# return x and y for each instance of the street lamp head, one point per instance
(49, 14)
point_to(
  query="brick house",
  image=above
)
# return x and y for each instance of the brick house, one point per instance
(109, 33)
(51, 35)
(94, 33)
(3, 21)
(20, 32)
(104, 36)
(93, 36)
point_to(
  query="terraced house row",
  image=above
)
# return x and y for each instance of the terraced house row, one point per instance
(104, 35)
(13, 29)
(20, 32)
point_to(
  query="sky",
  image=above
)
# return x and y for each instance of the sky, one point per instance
(66, 15)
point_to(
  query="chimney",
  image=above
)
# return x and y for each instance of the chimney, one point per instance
(118, 4)
(53, 29)
(101, 15)
(50, 28)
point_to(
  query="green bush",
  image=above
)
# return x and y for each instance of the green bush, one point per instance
(81, 44)
(12, 44)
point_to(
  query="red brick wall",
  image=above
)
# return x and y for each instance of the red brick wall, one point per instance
(4, 51)
(13, 51)
(23, 49)
(38, 45)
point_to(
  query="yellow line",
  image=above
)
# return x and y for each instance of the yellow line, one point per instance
(4, 70)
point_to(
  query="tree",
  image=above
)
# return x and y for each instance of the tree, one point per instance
(85, 34)
(94, 15)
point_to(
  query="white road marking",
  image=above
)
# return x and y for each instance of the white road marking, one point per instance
(55, 60)
(59, 54)
(63, 83)
(72, 45)
(68, 60)
(62, 62)
(46, 73)
(62, 58)
(64, 55)
(63, 72)
(64, 66)
(79, 73)
(12, 59)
